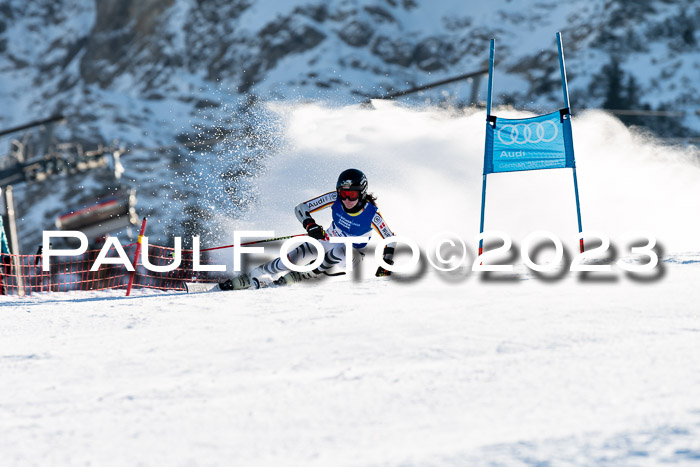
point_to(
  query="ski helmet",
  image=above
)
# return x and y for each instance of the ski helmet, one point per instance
(352, 179)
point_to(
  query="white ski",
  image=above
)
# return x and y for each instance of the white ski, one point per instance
(198, 287)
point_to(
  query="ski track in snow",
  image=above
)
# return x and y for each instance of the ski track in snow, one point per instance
(366, 372)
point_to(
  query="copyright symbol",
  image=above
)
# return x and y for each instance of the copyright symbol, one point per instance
(438, 248)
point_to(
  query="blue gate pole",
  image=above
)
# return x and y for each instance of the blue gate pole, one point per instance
(562, 67)
(488, 114)
(565, 89)
(488, 100)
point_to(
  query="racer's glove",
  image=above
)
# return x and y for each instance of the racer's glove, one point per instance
(314, 230)
(381, 272)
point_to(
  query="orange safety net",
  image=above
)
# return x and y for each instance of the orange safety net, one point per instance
(24, 274)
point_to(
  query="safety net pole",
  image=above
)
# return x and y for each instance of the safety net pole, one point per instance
(136, 257)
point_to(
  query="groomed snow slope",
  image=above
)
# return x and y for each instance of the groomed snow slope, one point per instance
(375, 372)
(420, 369)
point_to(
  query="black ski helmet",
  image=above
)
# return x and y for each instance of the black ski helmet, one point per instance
(352, 179)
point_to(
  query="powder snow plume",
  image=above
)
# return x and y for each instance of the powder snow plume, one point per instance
(425, 167)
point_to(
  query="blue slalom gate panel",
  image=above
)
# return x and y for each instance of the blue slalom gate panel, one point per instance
(543, 142)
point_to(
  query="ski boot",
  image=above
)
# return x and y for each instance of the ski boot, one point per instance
(259, 278)
(293, 277)
(236, 283)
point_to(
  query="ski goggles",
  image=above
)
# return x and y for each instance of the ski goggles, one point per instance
(352, 195)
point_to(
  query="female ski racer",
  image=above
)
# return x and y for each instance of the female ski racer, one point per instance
(354, 213)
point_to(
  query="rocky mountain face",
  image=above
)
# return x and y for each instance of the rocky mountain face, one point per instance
(154, 73)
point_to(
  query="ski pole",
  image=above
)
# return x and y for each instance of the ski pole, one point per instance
(256, 242)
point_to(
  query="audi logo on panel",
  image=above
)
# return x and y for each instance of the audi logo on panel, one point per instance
(521, 133)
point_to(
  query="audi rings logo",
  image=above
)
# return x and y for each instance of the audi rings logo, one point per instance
(522, 133)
